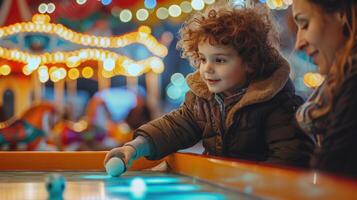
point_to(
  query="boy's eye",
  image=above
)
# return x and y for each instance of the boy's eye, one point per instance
(220, 60)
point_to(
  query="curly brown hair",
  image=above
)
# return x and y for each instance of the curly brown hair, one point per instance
(249, 31)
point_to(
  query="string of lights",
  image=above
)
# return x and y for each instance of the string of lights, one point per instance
(113, 63)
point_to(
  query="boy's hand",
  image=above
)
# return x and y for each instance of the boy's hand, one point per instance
(125, 152)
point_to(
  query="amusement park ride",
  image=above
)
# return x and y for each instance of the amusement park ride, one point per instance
(34, 52)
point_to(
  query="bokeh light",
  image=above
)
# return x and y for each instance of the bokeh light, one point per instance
(186, 7)
(157, 65)
(278, 3)
(42, 8)
(5, 70)
(87, 72)
(125, 15)
(132, 69)
(145, 29)
(177, 79)
(108, 64)
(142, 14)
(106, 2)
(173, 92)
(138, 188)
(175, 10)
(73, 74)
(313, 80)
(197, 4)
(209, 1)
(51, 7)
(150, 4)
(162, 13)
(81, 2)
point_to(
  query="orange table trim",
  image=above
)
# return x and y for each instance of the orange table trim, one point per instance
(61, 161)
(263, 180)
(260, 180)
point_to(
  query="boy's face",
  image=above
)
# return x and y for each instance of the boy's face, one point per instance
(221, 68)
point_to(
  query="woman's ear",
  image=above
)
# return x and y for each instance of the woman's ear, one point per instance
(342, 16)
(346, 27)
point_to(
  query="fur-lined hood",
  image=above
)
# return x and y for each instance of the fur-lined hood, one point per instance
(257, 92)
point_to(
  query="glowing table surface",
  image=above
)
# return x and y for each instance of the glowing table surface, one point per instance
(186, 176)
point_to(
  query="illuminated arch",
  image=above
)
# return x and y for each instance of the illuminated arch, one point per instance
(113, 63)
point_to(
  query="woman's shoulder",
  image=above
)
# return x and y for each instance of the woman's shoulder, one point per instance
(348, 87)
(351, 80)
(346, 95)
(344, 101)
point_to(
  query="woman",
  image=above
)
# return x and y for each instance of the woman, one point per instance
(327, 32)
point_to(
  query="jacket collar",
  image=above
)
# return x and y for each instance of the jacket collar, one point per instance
(257, 92)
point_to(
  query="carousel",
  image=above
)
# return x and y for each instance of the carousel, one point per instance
(45, 57)
(38, 51)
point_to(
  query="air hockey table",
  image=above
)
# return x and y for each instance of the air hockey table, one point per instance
(178, 176)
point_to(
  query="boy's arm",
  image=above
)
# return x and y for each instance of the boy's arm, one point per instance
(141, 146)
(176, 130)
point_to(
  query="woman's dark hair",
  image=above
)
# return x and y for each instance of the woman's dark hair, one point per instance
(343, 67)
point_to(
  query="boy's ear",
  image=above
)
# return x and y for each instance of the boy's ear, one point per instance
(249, 69)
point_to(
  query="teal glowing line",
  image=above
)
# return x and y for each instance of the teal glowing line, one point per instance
(157, 188)
(123, 180)
(192, 196)
(96, 177)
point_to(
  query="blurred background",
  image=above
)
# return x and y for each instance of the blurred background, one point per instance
(82, 74)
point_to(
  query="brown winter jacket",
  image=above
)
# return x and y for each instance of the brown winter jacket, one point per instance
(259, 127)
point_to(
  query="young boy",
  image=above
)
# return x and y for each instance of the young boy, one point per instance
(241, 103)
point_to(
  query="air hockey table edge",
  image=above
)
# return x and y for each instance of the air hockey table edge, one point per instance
(266, 181)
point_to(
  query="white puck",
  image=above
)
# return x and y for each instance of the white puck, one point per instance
(115, 166)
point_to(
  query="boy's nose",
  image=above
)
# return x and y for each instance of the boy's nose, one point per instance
(208, 68)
